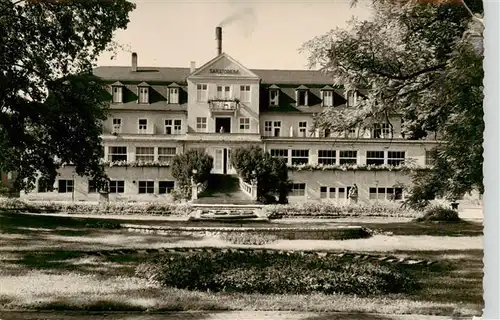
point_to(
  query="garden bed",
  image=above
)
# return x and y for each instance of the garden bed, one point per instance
(325, 233)
(276, 273)
(331, 210)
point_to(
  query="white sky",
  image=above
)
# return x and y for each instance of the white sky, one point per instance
(171, 33)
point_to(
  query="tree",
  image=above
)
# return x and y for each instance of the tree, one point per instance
(419, 62)
(271, 173)
(192, 164)
(51, 107)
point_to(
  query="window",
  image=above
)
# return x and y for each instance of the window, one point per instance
(143, 95)
(351, 133)
(144, 153)
(201, 124)
(244, 124)
(117, 154)
(65, 186)
(223, 92)
(352, 97)
(116, 186)
(395, 158)
(43, 186)
(174, 95)
(386, 194)
(165, 187)
(173, 126)
(280, 153)
(298, 190)
(375, 157)
(92, 186)
(348, 157)
(274, 98)
(428, 157)
(117, 94)
(302, 98)
(166, 154)
(327, 192)
(277, 128)
(382, 131)
(342, 193)
(300, 157)
(146, 187)
(328, 98)
(143, 126)
(201, 92)
(245, 93)
(272, 128)
(323, 192)
(327, 133)
(302, 128)
(326, 157)
(117, 125)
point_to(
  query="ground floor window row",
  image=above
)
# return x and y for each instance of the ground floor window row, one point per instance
(327, 192)
(332, 157)
(114, 186)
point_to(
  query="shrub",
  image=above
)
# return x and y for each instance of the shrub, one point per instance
(439, 213)
(271, 173)
(276, 273)
(332, 210)
(123, 208)
(182, 170)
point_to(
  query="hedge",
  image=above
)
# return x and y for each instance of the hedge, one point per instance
(276, 273)
(331, 210)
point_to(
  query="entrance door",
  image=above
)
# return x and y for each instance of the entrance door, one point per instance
(222, 163)
(218, 161)
(223, 125)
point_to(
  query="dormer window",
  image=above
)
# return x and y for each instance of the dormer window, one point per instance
(143, 92)
(327, 96)
(173, 93)
(274, 94)
(302, 96)
(352, 98)
(117, 91)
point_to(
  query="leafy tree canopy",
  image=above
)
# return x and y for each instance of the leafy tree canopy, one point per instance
(51, 107)
(421, 60)
(271, 173)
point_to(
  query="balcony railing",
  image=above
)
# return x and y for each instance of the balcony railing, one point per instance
(223, 105)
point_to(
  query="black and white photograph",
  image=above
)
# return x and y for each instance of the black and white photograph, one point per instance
(248, 159)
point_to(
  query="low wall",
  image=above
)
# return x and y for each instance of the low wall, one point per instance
(330, 233)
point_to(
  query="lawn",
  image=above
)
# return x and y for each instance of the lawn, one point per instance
(62, 263)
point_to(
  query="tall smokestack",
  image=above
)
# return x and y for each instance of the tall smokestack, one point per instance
(218, 38)
(134, 62)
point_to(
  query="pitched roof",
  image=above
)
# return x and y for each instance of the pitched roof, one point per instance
(172, 74)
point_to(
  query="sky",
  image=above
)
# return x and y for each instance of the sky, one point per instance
(265, 35)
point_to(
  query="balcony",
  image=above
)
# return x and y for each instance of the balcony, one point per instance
(223, 106)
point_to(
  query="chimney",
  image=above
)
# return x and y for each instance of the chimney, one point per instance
(218, 38)
(134, 62)
(193, 66)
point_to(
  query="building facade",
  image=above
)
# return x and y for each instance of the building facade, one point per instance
(157, 113)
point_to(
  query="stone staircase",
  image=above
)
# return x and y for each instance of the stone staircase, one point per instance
(223, 189)
(223, 200)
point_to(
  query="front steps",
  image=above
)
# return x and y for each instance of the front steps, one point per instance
(223, 189)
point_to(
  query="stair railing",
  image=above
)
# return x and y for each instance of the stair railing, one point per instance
(249, 189)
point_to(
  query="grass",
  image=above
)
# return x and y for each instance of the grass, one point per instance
(75, 285)
(42, 267)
